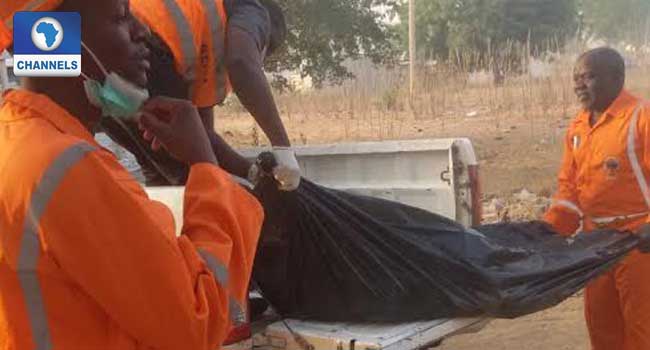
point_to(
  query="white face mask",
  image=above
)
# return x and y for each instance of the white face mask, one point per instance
(116, 97)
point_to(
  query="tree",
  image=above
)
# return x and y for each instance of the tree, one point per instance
(431, 21)
(446, 27)
(618, 20)
(323, 34)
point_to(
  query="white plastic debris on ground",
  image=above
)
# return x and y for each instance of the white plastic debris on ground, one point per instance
(520, 206)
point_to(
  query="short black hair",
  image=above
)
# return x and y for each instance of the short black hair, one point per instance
(278, 26)
(606, 59)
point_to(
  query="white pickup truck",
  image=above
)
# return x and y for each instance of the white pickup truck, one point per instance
(438, 175)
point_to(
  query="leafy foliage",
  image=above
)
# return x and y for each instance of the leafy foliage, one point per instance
(323, 34)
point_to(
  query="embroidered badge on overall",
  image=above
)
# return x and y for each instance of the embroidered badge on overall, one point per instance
(612, 166)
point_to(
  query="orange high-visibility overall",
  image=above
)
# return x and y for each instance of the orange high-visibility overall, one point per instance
(602, 184)
(87, 261)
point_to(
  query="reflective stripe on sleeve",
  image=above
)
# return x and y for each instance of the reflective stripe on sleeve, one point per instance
(30, 245)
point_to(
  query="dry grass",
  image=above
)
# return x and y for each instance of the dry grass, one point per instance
(376, 105)
(517, 127)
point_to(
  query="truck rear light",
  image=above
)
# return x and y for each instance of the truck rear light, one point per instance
(475, 191)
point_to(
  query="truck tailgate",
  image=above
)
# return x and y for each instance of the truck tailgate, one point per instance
(427, 174)
(348, 336)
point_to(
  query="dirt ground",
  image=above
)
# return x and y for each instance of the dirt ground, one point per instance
(515, 154)
(561, 328)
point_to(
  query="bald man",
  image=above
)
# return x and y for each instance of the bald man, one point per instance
(602, 184)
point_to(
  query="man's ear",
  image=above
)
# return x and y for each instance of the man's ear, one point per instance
(617, 80)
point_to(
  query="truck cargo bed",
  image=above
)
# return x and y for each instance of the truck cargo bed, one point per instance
(429, 174)
(346, 336)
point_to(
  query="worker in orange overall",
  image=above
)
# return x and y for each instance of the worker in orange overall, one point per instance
(603, 184)
(201, 51)
(87, 260)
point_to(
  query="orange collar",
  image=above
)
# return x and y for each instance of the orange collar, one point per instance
(624, 103)
(25, 104)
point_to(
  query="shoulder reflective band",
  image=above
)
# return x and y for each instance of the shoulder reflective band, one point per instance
(186, 38)
(218, 50)
(29, 6)
(634, 160)
(30, 245)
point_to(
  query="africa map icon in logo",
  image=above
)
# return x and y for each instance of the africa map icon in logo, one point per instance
(47, 34)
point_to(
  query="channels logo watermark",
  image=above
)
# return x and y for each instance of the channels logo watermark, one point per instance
(47, 44)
